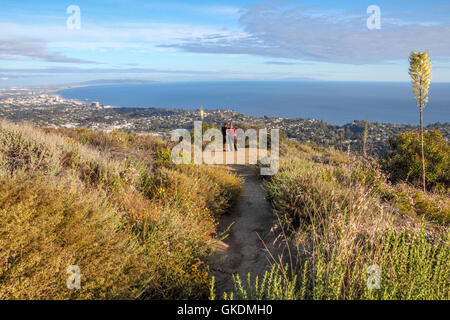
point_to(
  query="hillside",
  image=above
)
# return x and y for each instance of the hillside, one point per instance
(112, 204)
(140, 227)
(342, 225)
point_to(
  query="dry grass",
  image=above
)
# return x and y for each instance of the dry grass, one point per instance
(46, 227)
(138, 227)
(343, 216)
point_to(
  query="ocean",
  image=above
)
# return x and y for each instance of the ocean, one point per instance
(334, 102)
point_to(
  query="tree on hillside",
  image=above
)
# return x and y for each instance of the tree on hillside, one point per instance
(420, 72)
(365, 136)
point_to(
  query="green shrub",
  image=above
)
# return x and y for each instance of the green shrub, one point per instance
(403, 159)
(344, 217)
(274, 285)
(411, 267)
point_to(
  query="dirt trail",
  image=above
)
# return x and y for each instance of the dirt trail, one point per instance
(243, 251)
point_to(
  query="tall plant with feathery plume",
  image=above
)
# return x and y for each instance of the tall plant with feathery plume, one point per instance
(420, 72)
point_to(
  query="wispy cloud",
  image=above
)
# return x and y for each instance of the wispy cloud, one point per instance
(148, 73)
(265, 40)
(20, 48)
(283, 63)
(323, 35)
(75, 70)
(112, 34)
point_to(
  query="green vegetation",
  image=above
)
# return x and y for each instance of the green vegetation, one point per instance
(343, 218)
(365, 135)
(140, 227)
(110, 203)
(403, 160)
(274, 285)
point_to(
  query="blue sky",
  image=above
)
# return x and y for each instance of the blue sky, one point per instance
(219, 40)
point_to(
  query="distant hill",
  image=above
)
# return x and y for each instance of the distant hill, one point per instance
(104, 82)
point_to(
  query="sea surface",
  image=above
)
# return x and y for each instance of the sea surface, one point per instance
(334, 102)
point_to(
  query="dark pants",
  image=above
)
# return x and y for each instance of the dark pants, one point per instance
(224, 137)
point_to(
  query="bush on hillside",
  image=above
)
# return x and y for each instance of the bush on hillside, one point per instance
(403, 159)
(344, 218)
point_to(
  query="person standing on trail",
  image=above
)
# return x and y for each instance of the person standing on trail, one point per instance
(232, 139)
(224, 136)
(235, 138)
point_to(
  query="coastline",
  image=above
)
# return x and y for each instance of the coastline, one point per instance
(46, 108)
(55, 91)
(336, 104)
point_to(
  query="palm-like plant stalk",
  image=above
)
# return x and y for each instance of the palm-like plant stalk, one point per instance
(420, 72)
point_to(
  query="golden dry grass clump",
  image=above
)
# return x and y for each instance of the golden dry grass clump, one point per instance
(47, 227)
(137, 226)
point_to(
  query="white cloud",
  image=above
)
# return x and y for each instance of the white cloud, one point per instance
(137, 37)
(20, 48)
(267, 29)
(323, 35)
(114, 34)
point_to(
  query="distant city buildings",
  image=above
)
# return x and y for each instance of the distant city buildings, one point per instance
(49, 110)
